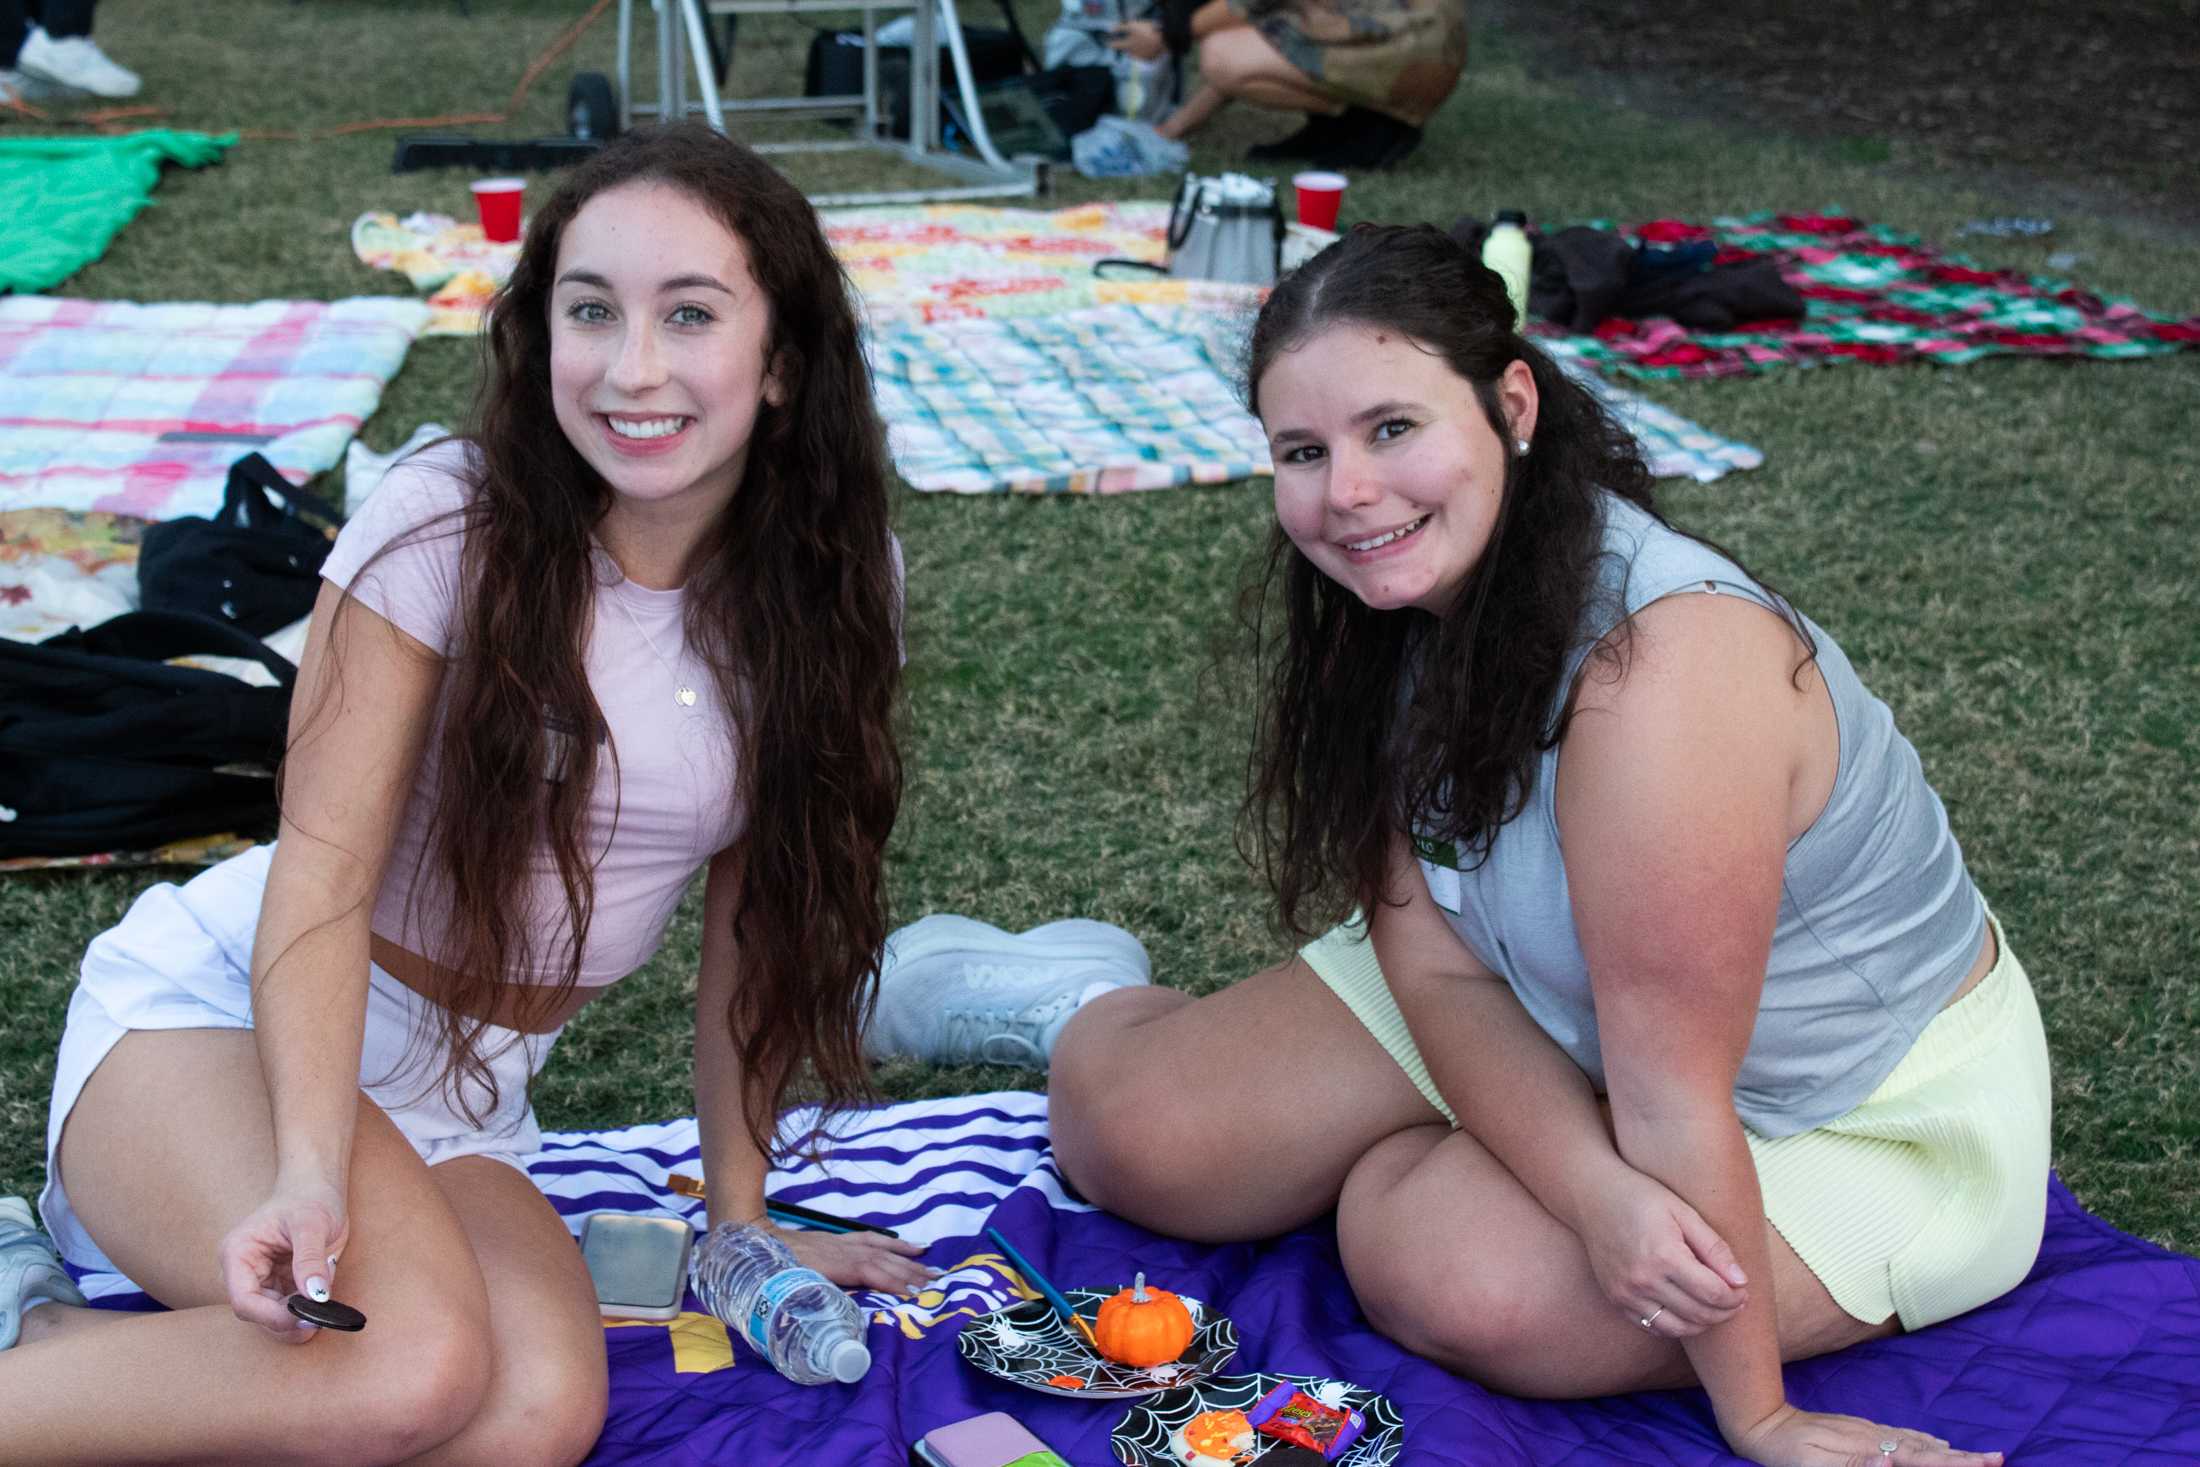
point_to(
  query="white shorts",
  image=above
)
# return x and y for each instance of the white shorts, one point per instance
(181, 959)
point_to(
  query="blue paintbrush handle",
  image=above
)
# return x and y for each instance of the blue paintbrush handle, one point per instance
(1032, 1275)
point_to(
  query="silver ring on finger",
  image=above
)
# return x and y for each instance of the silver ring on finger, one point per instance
(1649, 1321)
(1887, 1449)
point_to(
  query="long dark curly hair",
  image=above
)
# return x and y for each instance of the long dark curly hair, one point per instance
(791, 599)
(1370, 720)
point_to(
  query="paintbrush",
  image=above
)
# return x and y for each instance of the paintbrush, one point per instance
(1052, 1295)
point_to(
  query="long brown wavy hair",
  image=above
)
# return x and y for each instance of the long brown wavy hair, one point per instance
(1369, 720)
(791, 599)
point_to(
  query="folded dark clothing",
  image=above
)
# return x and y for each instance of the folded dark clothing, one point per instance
(1717, 299)
(1581, 276)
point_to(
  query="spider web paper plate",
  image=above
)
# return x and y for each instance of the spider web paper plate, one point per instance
(1029, 1345)
(1141, 1438)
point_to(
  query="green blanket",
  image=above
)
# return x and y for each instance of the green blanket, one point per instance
(63, 199)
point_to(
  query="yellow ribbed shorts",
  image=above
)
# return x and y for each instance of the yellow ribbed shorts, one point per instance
(1924, 1201)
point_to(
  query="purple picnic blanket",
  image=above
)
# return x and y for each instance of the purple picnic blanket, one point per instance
(2093, 1362)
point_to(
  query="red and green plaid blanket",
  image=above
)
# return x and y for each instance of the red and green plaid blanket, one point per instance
(1874, 295)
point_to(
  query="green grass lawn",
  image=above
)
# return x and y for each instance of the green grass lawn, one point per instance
(2006, 550)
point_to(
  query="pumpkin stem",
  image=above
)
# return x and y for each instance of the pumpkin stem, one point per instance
(1138, 1290)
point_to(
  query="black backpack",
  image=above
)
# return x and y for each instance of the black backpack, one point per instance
(255, 563)
(104, 746)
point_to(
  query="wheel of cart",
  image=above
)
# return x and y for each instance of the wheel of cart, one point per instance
(591, 107)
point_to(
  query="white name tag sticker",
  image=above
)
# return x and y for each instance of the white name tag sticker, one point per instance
(1440, 869)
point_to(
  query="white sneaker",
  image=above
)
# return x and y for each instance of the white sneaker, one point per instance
(75, 62)
(29, 1268)
(954, 990)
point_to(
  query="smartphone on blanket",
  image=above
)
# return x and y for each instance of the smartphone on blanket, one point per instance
(995, 1439)
(640, 1264)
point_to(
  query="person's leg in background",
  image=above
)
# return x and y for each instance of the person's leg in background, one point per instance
(15, 24)
(58, 49)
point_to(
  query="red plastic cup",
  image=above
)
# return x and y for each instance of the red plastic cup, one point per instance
(498, 200)
(1319, 195)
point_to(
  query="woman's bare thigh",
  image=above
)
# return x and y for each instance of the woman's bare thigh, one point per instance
(1233, 1116)
(170, 1144)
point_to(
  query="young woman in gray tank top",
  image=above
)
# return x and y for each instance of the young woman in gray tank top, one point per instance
(1685, 1045)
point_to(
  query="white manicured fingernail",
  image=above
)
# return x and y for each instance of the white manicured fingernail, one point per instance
(306, 1326)
(317, 1290)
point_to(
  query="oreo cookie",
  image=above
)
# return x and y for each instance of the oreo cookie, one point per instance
(328, 1314)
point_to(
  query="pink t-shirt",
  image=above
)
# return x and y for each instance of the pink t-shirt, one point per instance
(655, 817)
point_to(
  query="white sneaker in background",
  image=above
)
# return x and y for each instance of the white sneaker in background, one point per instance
(954, 990)
(75, 62)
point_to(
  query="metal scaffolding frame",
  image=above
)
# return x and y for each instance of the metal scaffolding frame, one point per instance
(684, 39)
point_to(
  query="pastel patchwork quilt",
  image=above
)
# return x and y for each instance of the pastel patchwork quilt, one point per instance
(140, 409)
(1125, 396)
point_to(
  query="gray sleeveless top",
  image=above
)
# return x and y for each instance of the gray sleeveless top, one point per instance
(1878, 924)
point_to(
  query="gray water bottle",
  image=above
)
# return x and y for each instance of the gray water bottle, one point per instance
(793, 1316)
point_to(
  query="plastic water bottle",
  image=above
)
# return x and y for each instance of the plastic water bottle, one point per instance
(793, 1316)
(1505, 249)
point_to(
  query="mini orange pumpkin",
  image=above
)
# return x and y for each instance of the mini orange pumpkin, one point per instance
(1142, 1326)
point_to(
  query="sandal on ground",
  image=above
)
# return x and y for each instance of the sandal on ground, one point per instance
(29, 1269)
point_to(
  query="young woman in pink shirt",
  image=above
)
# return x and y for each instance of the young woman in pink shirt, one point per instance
(560, 666)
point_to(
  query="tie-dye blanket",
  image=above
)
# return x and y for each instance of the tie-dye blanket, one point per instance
(454, 262)
(2093, 1362)
(919, 263)
(954, 262)
(140, 409)
(1874, 294)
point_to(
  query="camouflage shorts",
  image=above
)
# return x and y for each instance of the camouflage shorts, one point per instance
(1398, 57)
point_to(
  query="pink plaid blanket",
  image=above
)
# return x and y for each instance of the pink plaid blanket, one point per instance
(140, 409)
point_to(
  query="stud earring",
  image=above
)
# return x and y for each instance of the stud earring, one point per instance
(1520, 446)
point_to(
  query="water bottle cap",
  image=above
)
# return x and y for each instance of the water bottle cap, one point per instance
(850, 1362)
(1512, 216)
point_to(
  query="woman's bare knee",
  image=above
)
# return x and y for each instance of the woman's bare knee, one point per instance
(1240, 62)
(1109, 1140)
(1413, 1278)
(1449, 1256)
(1223, 63)
(550, 1413)
(408, 1391)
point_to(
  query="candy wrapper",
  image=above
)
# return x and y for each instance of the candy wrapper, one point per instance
(1290, 1415)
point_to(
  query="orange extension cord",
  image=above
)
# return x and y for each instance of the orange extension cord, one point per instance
(120, 119)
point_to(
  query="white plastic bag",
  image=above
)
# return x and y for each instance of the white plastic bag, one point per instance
(1123, 147)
